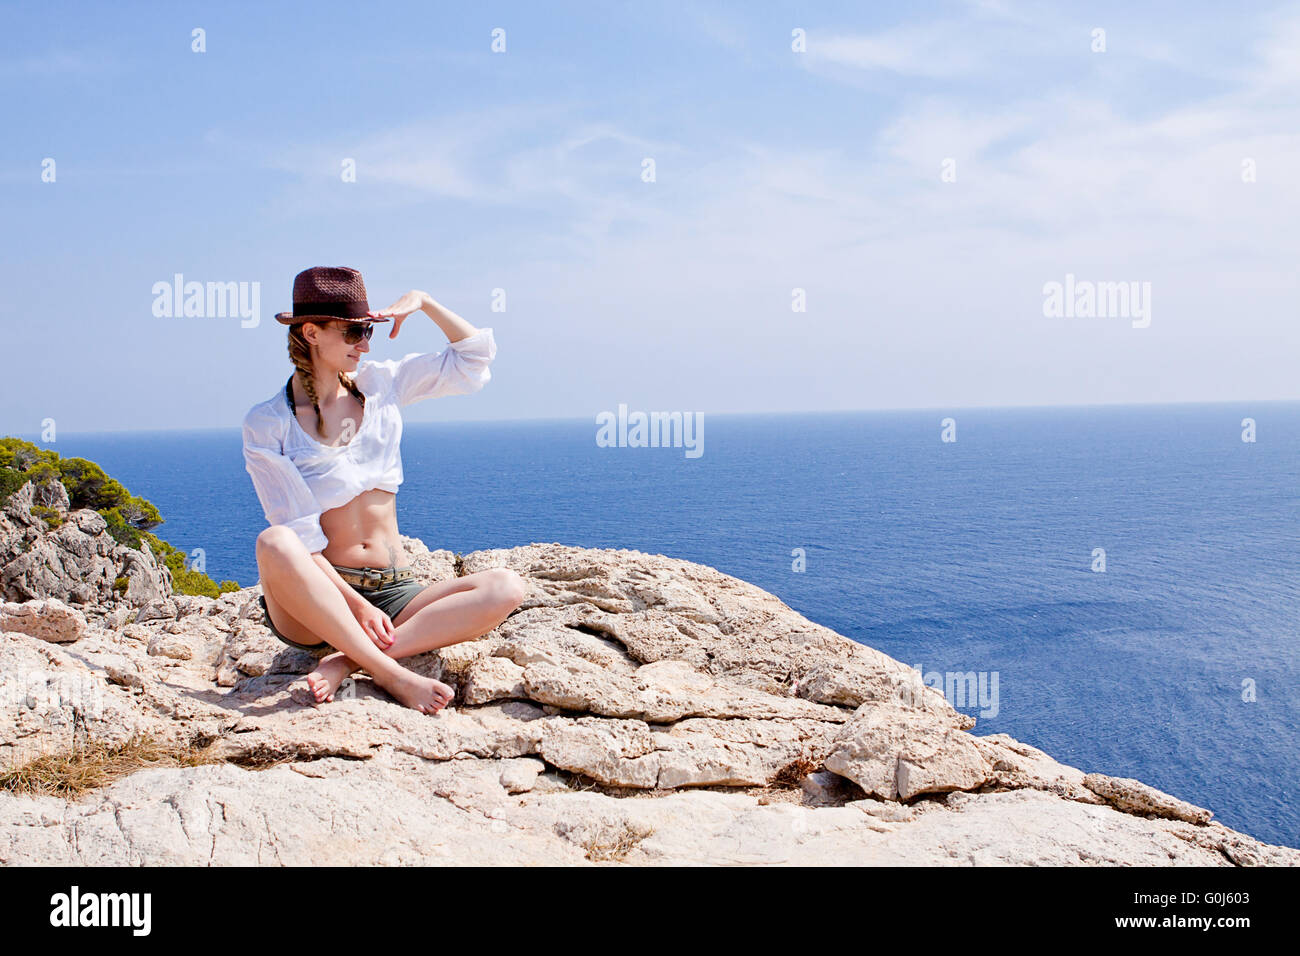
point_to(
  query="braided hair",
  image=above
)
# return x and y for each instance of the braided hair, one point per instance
(300, 355)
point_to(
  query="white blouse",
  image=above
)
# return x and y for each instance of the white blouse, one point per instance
(296, 477)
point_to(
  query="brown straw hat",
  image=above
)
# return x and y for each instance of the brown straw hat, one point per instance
(322, 293)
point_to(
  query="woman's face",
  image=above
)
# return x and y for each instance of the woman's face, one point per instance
(332, 349)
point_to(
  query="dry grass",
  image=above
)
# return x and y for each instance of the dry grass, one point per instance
(73, 773)
(618, 845)
(792, 774)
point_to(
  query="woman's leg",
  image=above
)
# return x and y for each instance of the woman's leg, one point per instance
(294, 585)
(444, 613)
(449, 612)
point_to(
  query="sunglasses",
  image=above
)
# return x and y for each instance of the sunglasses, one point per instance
(354, 332)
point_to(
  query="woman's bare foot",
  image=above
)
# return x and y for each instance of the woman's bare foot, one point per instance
(329, 673)
(424, 694)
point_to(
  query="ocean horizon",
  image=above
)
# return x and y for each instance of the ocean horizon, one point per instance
(1114, 584)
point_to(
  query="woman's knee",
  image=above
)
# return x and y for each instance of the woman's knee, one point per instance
(278, 541)
(509, 585)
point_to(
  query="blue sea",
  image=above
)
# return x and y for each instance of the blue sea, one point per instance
(1176, 664)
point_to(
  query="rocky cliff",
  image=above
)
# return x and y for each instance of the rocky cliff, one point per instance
(78, 561)
(634, 709)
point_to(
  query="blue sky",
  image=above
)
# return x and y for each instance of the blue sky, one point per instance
(775, 170)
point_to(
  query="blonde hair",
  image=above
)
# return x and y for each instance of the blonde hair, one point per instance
(300, 355)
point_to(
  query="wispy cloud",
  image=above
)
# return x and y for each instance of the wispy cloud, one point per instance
(938, 50)
(727, 32)
(60, 63)
(546, 158)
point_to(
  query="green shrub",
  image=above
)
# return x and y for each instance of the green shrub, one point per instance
(89, 487)
(139, 513)
(10, 481)
(130, 518)
(53, 517)
(184, 579)
(122, 532)
(20, 455)
(193, 582)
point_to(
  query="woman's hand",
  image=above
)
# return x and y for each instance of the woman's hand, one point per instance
(413, 301)
(376, 624)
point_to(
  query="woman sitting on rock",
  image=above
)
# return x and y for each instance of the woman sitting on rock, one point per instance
(324, 458)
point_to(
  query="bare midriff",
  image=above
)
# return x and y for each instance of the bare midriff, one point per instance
(363, 532)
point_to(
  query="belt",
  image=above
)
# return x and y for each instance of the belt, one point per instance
(371, 578)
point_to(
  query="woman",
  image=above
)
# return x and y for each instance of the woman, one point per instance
(324, 458)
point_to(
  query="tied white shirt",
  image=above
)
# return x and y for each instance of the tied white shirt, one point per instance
(296, 477)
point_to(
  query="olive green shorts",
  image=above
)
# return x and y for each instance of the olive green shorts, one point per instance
(389, 598)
